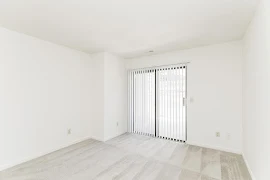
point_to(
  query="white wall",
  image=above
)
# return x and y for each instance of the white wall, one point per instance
(256, 114)
(97, 121)
(115, 86)
(44, 90)
(110, 99)
(215, 84)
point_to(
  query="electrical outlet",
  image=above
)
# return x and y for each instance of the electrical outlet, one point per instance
(69, 131)
(217, 134)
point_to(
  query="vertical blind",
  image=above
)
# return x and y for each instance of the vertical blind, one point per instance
(157, 102)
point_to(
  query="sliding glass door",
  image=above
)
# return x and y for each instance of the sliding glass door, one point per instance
(144, 102)
(171, 108)
(157, 102)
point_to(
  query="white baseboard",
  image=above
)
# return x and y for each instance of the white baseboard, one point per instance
(23, 160)
(107, 138)
(97, 138)
(248, 167)
(111, 137)
(215, 147)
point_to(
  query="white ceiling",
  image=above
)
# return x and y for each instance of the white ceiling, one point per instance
(129, 28)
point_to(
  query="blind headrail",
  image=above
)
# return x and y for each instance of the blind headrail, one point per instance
(161, 66)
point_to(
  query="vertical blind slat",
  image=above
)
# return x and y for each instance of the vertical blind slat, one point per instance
(182, 100)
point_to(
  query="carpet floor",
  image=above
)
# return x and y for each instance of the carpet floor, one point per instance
(132, 156)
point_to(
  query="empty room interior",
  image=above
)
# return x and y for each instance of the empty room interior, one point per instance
(134, 89)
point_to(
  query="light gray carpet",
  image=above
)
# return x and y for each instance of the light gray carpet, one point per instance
(132, 156)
